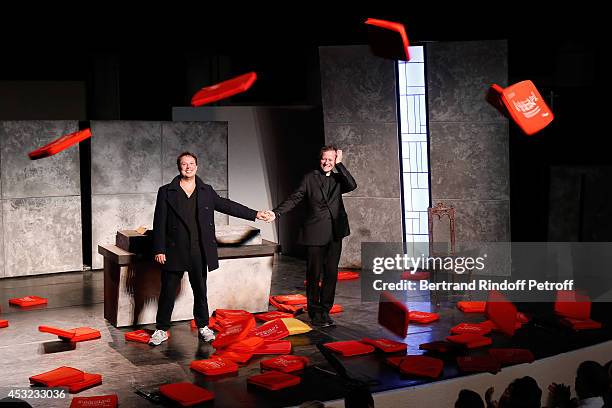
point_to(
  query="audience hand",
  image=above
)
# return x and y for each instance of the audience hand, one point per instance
(560, 395)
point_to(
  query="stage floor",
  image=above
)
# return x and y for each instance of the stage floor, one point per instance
(76, 299)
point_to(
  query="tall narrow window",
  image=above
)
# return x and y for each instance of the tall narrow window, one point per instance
(414, 149)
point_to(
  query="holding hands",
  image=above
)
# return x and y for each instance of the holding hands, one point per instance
(267, 216)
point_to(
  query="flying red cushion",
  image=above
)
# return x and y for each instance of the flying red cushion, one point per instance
(60, 144)
(388, 39)
(393, 315)
(501, 312)
(224, 89)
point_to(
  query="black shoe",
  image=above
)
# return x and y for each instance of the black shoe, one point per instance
(328, 320)
(316, 319)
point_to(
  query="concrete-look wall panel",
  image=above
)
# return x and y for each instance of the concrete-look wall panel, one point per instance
(42, 235)
(1, 242)
(125, 157)
(370, 154)
(207, 140)
(371, 220)
(356, 86)
(53, 176)
(111, 213)
(470, 161)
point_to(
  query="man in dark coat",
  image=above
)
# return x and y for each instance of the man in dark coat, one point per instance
(184, 240)
(323, 229)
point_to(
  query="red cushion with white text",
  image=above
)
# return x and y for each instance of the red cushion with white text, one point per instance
(422, 317)
(98, 401)
(214, 366)
(285, 363)
(268, 316)
(474, 328)
(273, 330)
(386, 345)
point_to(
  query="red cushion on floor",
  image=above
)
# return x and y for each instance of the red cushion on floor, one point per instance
(89, 380)
(350, 347)
(507, 356)
(478, 364)
(294, 299)
(73, 335)
(214, 366)
(272, 330)
(394, 361)
(211, 323)
(470, 340)
(59, 144)
(186, 394)
(347, 275)
(336, 309)
(274, 347)
(393, 314)
(522, 317)
(523, 103)
(388, 39)
(231, 313)
(274, 380)
(140, 336)
(285, 308)
(441, 347)
(580, 324)
(421, 366)
(268, 316)
(474, 328)
(472, 306)
(98, 401)
(28, 301)
(490, 325)
(573, 304)
(285, 363)
(386, 345)
(501, 312)
(224, 89)
(4, 323)
(422, 317)
(238, 331)
(247, 345)
(240, 358)
(60, 376)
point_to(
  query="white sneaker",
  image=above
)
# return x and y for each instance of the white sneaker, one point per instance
(206, 334)
(158, 337)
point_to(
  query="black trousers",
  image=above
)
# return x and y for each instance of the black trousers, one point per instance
(170, 282)
(322, 265)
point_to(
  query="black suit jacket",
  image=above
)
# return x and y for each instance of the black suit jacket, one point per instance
(171, 234)
(327, 217)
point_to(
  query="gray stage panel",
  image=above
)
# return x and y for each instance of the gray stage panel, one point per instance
(42, 235)
(207, 140)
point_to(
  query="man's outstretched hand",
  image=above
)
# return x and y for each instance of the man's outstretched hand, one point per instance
(267, 216)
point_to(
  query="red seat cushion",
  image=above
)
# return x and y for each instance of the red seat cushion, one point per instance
(240, 358)
(272, 330)
(73, 335)
(421, 366)
(388, 39)
(231, 313)
(224, 89)
(266, 317)
(470, 340)
(294, 299)
(478, 364)
(4, 323)
(573, 304)
(211, 323)
(441, 347)
(501, 312)
(274, 380)
(89, 380)
(28, 301)
(472, 306)
(236, 332)
(140, 336)
(214, 366)
(393, 314)
(386, 345)
(350, 347)
(274, 347)
(493, 327)
(394, 361)
(580, 324)
(60, 376)
(474, 328)
(186, 394)
(285, 363)
(422, 317)
(524, 105)
(99, 401)
(248, 345)
(285, 308)
(347, 275)
(60, 144)
(507, 356)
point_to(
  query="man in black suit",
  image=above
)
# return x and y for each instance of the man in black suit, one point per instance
(184, 240)
(323, 229)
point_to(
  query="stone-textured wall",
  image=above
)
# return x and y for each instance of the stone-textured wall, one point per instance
(40, 214)
(468, 137)
(131, 160)
(359, 109)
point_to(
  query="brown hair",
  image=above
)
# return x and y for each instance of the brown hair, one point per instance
(328, 148)
(178, 159)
